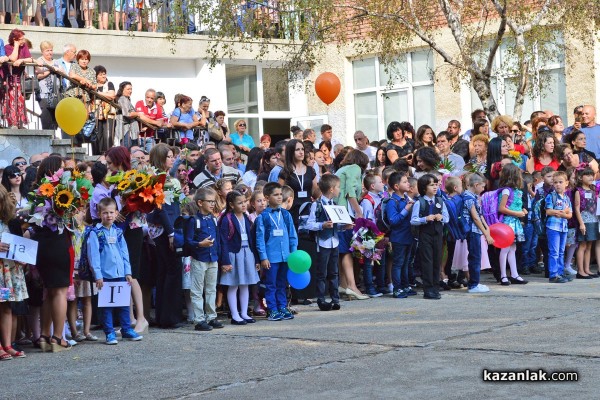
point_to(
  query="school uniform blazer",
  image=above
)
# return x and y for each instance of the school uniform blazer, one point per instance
(235, 244)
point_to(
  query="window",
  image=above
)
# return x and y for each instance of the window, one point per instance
(399, 90)
(548, 84)
(258, 94)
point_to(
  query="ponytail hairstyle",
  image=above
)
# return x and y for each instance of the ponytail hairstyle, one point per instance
(230, 199)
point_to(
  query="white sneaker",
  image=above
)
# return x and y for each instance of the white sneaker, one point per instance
(570, 271)
(479, 289)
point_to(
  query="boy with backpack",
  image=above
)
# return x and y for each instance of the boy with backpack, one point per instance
(371, 205)
(539, 216)
(326, 232)
(429, 218)
(558, 211)
(276, 238)
(457, 230)
(399, 211)
(108, 256)
(471, 212)
(203, 244)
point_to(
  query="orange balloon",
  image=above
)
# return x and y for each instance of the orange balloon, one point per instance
(328, 87)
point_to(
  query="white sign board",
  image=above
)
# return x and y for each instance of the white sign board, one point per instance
(338, 214)
(21, 249)
(114, 294)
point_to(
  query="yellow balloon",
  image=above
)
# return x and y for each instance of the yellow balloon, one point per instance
(71, 115)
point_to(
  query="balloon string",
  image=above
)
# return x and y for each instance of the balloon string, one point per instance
(72, 149)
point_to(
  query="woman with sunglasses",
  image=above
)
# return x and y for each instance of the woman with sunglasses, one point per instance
(240, 138)
(12, 180)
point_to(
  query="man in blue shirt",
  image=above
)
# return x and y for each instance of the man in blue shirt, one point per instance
(591, 129)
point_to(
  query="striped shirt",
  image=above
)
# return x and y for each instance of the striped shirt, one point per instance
(206, 179)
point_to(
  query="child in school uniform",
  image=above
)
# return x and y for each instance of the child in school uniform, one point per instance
(238, 268)
(472, 214)
(430, 215)
(369, 203)
(111, 264)
(399, 212)
(276, 238)
(326, 267)
(203, 241)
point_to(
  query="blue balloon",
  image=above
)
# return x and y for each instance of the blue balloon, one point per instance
(298, 281)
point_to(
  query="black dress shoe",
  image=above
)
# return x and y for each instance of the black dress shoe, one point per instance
(234, 322)
(504, 282)
(578, 276)
(444, 286)
(432, 295)
(335, 306)
(517, 281)
(249, 320)
(324, 306)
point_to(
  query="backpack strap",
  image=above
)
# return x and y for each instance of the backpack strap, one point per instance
(231, 227)
(370, 199)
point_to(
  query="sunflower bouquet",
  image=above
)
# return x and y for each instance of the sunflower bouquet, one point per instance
(140, 190)
(57, 199)
(368, 242)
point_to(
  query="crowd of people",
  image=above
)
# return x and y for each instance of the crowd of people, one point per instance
(254, 18)
(242, 207)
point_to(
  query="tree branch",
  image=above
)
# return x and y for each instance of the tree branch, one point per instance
(498, 39)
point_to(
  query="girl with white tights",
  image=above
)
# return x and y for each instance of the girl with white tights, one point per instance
(238, 267)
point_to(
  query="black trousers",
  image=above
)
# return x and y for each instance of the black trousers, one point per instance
(326, 272)
(430, 256)
(47, 116)
(169, 294)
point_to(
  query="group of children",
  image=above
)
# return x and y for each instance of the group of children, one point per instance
(232, 246)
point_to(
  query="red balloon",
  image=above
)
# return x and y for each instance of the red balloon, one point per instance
(328, 87)
(502, 234)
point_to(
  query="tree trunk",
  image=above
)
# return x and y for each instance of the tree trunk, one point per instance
(523, 78)
(483, 88)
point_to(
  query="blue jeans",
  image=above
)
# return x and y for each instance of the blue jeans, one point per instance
(368, 276)
(146, 143)
(557, 242)
(402, 253)
(276, 285)
(106, 314)
(474, 258)
(59, 12)
(528, 247)
(326, 272)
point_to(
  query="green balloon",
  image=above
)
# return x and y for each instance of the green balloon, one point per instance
(299, 261)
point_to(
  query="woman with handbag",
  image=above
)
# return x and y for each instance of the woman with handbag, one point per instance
(13, 101)
(49, 86)
(105, 114)
(127, 129)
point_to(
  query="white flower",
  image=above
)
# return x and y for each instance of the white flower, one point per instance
(169, 197)
(369, 244)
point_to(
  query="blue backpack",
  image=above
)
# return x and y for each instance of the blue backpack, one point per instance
(84, 269)
(538, 217)
(179, 238)
(458, 226)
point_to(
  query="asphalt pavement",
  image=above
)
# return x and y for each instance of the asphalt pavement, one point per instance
(378, 348)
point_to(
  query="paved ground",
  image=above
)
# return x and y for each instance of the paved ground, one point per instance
(379, 348)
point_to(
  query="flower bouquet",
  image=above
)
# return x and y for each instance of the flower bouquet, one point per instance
(445, 166)
(516, 157)
(140, 190)
(367, 242)
(58, 199)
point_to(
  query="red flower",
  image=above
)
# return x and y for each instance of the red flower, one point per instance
(84, 193)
